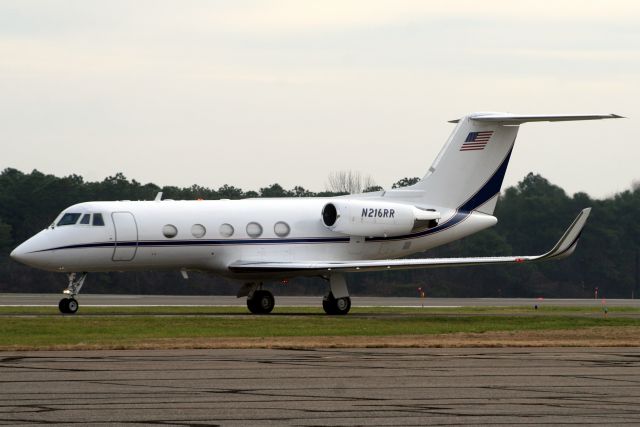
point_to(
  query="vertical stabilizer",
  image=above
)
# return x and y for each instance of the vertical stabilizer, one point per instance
(468, 171)
(467, 174)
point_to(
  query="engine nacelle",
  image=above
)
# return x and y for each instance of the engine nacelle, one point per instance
(367, 218)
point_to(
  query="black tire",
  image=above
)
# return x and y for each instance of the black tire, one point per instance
(336, 306)
(72, 306)
(63, 306)
(252, 306)
(261, 302)
(328, 305)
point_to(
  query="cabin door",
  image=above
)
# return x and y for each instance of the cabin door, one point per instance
(126, 231)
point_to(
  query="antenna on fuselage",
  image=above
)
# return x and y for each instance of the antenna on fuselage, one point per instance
(158, 196)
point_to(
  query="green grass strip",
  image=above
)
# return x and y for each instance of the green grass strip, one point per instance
(42, 331)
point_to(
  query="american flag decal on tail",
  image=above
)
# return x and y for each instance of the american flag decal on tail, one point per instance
(476, 141)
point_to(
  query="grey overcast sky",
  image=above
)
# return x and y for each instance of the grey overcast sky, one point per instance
(249, 93)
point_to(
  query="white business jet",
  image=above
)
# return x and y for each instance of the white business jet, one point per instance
(275, 239)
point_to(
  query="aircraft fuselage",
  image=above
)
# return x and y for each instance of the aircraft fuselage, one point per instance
(209, 235)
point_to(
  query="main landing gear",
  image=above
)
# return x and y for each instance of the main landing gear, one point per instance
(69, 305)
(259, 301)
(337, 301)
(336, 306)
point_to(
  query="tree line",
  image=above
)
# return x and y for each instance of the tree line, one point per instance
(532, 216)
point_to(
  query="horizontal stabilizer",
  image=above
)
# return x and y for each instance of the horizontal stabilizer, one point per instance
(565, 247)
(516, 119)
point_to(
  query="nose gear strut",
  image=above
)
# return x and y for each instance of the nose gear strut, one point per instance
(69, 305)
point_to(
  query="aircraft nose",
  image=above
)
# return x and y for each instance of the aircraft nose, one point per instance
(27, 252)
(17, 254)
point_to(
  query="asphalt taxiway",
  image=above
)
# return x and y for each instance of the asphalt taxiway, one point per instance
(323, 387)
(88, 300)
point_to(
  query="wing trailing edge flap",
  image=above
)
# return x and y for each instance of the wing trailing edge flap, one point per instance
(562, 249)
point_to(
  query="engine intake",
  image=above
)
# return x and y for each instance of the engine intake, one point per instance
(329, 214)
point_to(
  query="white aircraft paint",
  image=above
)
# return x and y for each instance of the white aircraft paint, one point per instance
(261, 239)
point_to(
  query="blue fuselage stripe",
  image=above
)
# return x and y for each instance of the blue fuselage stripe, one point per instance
(173, 243)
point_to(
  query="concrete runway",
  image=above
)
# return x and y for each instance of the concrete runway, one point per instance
(88, 300)
(323, 387)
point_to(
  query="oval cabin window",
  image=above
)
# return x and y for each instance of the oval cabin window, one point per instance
(198, 230)
(254, 229)
(226, 230)
(169, 231)
(281, 229)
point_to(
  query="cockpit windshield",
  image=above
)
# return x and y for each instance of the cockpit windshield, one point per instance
(72, 218)
(68, 219)
(97, 219)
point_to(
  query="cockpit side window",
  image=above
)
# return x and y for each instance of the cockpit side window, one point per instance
(97, 219)
(86, 219)
(68, 219)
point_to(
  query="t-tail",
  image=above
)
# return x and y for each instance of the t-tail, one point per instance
(468, 172)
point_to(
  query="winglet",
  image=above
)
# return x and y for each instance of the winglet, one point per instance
(569, 240)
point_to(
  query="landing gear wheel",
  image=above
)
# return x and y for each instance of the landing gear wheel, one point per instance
(62, 305)
(336, 306)
(261, 302)
(68, 306)
(72, 306)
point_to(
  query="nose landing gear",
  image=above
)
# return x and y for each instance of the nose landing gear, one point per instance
(69, 305)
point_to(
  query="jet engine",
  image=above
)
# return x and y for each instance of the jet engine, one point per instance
(370, 218)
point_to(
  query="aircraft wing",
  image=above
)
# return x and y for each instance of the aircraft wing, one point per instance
(565, 247)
